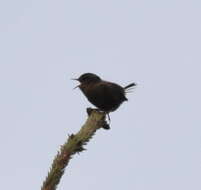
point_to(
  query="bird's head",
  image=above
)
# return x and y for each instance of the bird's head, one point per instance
(87, 78)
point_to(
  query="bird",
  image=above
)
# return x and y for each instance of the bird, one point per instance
(106, 96)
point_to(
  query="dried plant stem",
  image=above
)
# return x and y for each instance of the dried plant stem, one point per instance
(74, 144)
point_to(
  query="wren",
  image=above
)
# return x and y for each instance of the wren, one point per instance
(106, 96)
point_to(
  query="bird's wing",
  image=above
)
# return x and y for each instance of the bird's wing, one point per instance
(112, 90)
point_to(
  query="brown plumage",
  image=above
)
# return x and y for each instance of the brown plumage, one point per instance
(106, 96)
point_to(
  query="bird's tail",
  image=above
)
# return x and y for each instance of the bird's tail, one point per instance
(128, 88)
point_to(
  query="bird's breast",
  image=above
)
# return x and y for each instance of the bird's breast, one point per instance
(105, 97)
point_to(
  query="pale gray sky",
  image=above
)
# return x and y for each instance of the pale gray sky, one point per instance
(155, 139)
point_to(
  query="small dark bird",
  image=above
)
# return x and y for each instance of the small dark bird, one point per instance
(106, 96)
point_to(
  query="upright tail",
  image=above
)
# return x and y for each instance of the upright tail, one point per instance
(129, 86)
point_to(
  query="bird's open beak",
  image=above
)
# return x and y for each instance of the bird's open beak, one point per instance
(75, 79)
(77, 85)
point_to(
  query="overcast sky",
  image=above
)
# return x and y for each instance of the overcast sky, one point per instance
(155, 138)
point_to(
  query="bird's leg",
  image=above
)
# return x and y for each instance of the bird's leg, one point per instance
(105, 125)
(107, 113)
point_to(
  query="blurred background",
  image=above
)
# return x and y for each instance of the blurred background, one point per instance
(155, 138)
